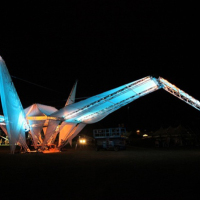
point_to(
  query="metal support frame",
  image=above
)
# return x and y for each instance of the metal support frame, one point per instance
(172, 89)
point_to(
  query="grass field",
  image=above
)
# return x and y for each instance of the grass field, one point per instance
(136, 173)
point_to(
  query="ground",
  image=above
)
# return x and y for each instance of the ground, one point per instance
(135, 173)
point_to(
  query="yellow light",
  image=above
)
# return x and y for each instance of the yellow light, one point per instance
(145, 135)
(82, 141)
(138, 132)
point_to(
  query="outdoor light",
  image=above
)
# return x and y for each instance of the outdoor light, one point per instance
(82, 141)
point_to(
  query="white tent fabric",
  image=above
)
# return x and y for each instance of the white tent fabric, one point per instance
(37, 110)
(35, 128)
(12, 108)
(71, 134)
(52, 126)
(76, 132)
(71, 98)
(65, 131)
(57, 130)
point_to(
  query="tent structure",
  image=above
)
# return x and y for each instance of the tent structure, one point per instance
(73, 117)
(172, 131)
(37, 115)
(14, 115)
(176, 136)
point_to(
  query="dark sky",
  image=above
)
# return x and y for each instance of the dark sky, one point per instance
(104, 44)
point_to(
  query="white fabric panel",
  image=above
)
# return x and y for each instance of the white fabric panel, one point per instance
(22, 142)
(28, 109)
(36, 127)
(12, 108)
(53, 137)
(39, 109)
(92, 110)
(71, 98)
(33, 111)
(58, 129)
(77, 131)
(65, 131)
(95, 119)
(50, 131)
(47, 110)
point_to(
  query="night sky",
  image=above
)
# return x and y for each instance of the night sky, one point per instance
(104, 44)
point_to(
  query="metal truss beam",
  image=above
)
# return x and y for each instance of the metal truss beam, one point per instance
(172, 89)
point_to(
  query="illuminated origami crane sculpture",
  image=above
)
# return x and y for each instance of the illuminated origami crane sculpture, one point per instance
(72, 118)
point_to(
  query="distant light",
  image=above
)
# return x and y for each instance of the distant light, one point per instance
(82, 141)
(138, 132)
(145, 135)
